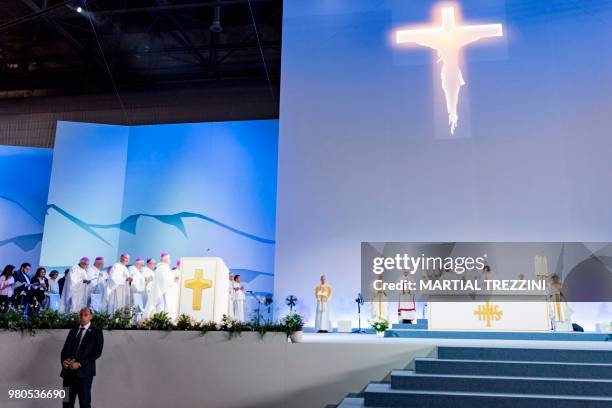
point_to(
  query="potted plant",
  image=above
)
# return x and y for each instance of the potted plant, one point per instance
(293, 324)
(380, 324)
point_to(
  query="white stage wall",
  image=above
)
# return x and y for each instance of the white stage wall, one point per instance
(362, 157)
(184, 369)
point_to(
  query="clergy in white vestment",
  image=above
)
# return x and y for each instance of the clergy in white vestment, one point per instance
(148, 275)
(94, 274)
(175, 290)
(161, 298)
(106, 286)
(323, 293)
(118, 283)
(380, 303)
(560, 312)
(66, 295)
(79, 283)
(137, 285)
(230, 303)
(239, 298)
(406, 306)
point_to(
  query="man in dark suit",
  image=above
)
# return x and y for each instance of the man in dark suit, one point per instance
(22, 286)
(82, 348)
(62, 280)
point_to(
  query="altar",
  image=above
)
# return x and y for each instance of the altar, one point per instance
(492, 312)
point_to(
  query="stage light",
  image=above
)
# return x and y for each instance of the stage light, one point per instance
(216, 27)
(79, 10)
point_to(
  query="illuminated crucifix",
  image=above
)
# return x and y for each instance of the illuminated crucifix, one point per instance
(198, 284)
(447, 40)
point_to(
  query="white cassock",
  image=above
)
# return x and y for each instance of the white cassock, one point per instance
(160, 298)
(66, 297)
(137, 289)
(119, 290)
(230, 303)
(238, 302)
(406, 307)
(93, 274)
(172, 297)
(147, 275)
(78, 288)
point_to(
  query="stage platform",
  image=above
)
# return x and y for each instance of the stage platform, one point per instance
(433, 342)
(496, 335)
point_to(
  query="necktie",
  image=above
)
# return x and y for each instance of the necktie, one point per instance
(77, 342)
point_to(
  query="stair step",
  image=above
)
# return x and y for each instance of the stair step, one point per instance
(513, 368)
(350, 402)
(520, 354)
(382, 395)
(409, 380)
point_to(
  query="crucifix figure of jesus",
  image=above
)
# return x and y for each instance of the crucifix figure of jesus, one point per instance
(448, 39)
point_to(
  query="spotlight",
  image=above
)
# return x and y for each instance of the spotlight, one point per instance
(79, 9)
(216, 27)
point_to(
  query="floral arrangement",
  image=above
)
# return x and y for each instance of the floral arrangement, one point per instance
(292, 322)
(380, 324)
(124, 319)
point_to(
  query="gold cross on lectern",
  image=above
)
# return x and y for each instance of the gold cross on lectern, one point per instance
(198, 284)
(488, 313)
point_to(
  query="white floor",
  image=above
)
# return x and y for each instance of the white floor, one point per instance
(354, 338)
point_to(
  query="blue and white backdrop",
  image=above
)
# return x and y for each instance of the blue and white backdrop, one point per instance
(24, 183)
(204, 189)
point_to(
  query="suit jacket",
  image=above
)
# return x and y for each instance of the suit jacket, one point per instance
(87, 353)
(38, 287)
(60, 283)
(20, 277)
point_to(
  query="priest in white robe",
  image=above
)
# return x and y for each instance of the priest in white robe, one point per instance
(148, 274)
(174, 293)
(119, 283)
(239, 298)
(560, 312)
(79, 284)
(323, 293)
(230, 303)
(94, 274)
(161, 298)
(137, 286)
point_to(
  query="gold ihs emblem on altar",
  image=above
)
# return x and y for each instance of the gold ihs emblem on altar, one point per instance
(197, 285)
(488, 313)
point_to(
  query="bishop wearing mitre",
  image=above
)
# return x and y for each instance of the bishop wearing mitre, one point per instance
(322, 293)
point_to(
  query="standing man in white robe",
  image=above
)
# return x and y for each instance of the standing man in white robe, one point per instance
(406, 306)
(94, 273)
(79, 283)
(137, 286)
(160, 300)
(323, 293)
(148, 275)
(239, 297)
(119, 283)
(230, 303)
(174, 293)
